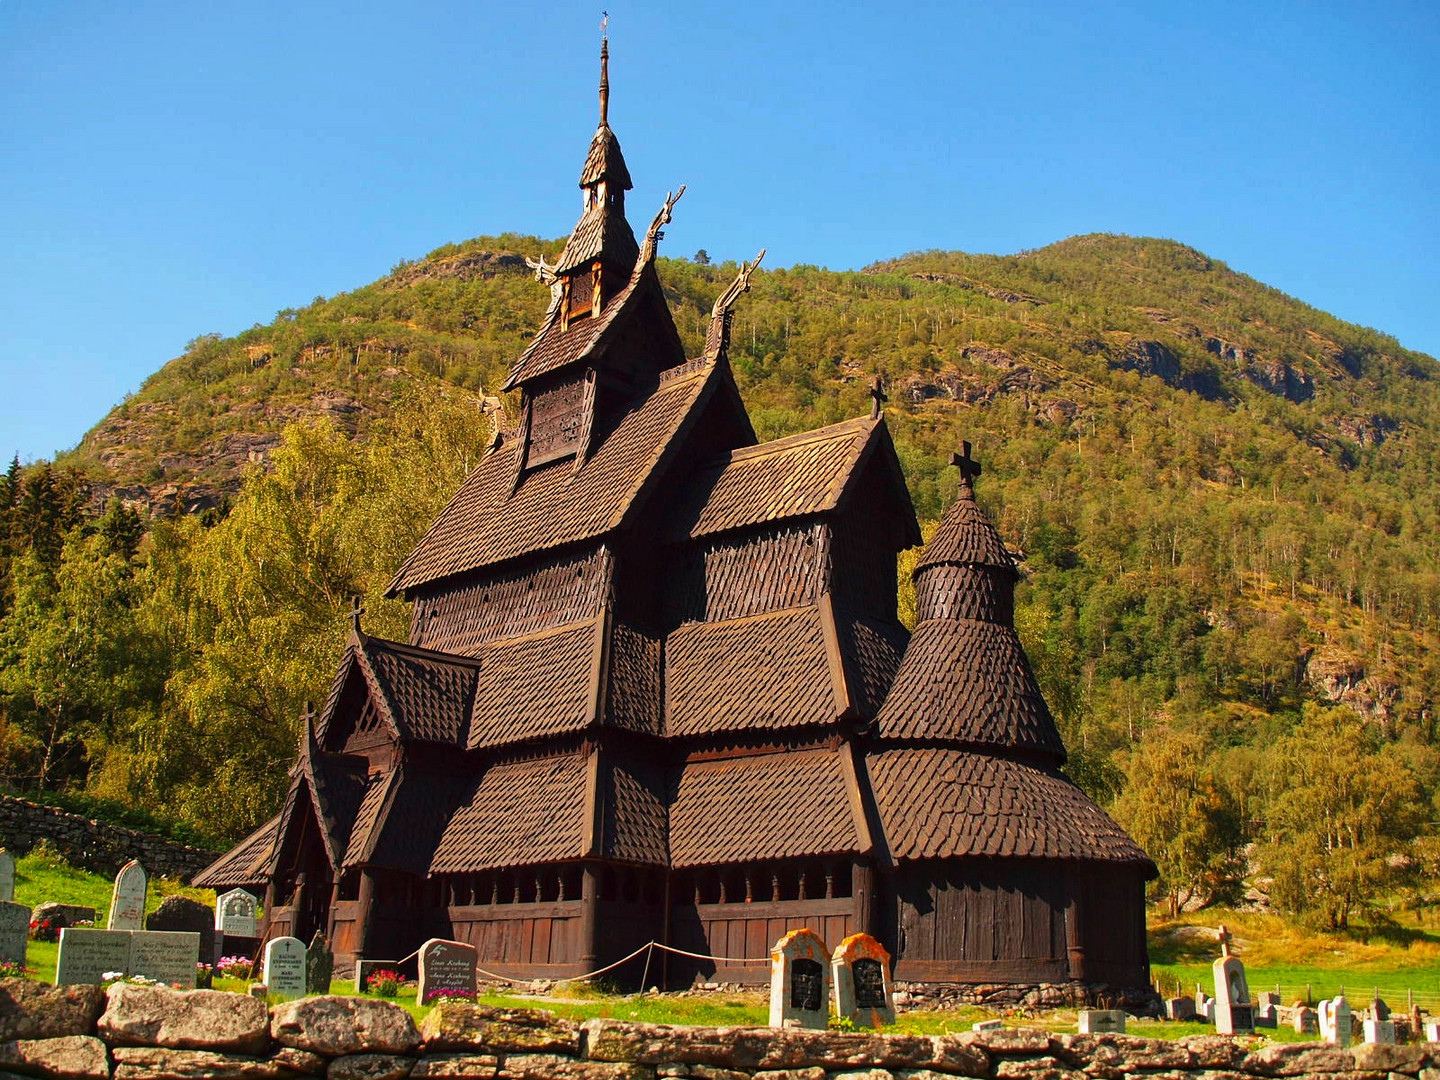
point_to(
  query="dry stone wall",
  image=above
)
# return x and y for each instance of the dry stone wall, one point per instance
(153, 1033)
(95, 845)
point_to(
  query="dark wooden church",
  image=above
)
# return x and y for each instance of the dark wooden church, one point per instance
(656, 689)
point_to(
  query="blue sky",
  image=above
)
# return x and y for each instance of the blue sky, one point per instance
(169, 169)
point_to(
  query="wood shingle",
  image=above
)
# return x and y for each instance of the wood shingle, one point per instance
(521, 812)
(536, 686)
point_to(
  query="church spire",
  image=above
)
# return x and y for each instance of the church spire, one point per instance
(604, 82)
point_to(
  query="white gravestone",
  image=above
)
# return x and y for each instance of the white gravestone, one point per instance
(1336, 1021)
(285, 967)
(235, 913)
(1234, 1009)
(14, 932)
(167, 956)
(7, 875)
(860, 970)
(87, 955)
(447, 968)
(1432, 1030)
(127, 899)
(1102, 1022)
(1380, 1032)
(800, 981)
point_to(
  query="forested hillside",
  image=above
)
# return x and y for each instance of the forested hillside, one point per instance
(1224, 499)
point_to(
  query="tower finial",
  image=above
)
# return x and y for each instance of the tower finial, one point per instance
(969, 467)
(604, 70)
(878, 397)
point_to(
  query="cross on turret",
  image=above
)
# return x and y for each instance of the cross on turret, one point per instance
(355, 612)
(968, 466)
(878, 397)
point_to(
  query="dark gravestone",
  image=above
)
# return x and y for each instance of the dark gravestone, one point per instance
(188, 916)
(806, 980)
(869, 985)
(319, 965)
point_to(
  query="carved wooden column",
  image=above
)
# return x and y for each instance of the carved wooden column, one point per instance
(1075, 935)
(364, 905)
(862, 890)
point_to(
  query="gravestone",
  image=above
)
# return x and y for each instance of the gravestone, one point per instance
(1336, 1021)
(63, 915)
(7, 876)
(1378, 1009)
(180, 913)
(1102, 1022)
(987, 1025)
(1432, 1030)
(319, 965)
(1180, 1008)
(235, 913)
(447, 968)
(1267, 1010)
(1305, 1019)
(1234, 1009)
(799, 981)
(285, 967)
(167, 956)
(860, 970)
(87, 955)
(1381, 1032)
(14, 932)
(127, 899)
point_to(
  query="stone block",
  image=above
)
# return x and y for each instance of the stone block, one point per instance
(32, 1010)
(814, 1072)
(1124, 1052)
(370, 1067)
(185, 1019)
(1016, 1041)
(461, 1025)
(959, 1054)
(1214, 1051)
(157, 1063)
(556, 1067)
(1383, 1057)
(72, 1057)
(1044, 1067)
(335, 1026)
(456, 1067)
(1298, 1059)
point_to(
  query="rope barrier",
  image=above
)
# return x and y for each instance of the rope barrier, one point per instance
(625, 960)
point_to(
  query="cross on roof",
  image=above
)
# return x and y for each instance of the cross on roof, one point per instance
(878, 397)
(1224, 938)
(355, 612)
(968, 466)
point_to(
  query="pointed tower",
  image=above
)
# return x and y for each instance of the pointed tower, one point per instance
(1002, 869)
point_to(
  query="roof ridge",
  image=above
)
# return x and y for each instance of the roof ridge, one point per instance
(421, 652)
(789, 442)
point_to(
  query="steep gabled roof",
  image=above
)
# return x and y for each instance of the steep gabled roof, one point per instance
(967, 681)
(600, 232)
(944, 803)
(247, 863)
(773, 806)
(635, 824)
(379, 796)
(414, 820)
(484, 524)
(428, 694)
(605, 162)
(800, 475)
(521, 813)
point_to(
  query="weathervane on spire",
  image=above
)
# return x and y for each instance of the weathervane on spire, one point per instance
(968, 466)
(604, 69)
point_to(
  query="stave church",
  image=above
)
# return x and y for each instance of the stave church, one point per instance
(656, 689)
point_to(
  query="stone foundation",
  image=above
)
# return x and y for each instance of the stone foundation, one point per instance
(1074, 995)
(151, 1033)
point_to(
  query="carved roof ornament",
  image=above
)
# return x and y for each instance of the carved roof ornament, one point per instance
(717, 338)
(878, 397)
(355, 612)
(654, 234)
(968, 466)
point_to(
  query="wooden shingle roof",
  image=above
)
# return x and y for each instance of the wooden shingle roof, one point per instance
(484, 524)
(379, 794)
(760, 672)
(773, 806)
(945, 803)
(427, 694)
(636, 823)
(521, 813)
(872, 650)
(599, 232)
(416, 817)
(796, 476)
(537, 685)
(967, 681)
(247, 863)
(966, 537)
(605, 162)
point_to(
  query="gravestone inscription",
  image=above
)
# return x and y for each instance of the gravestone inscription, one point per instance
(1378, 1032)
(1336, 1021)
(127, 899)
(1102, 1021)
(285, 967)
(447, 969)
(860, 973)
(87, 955)
(799, 981)
(167, 956)
(235, 913)
(14, 931)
